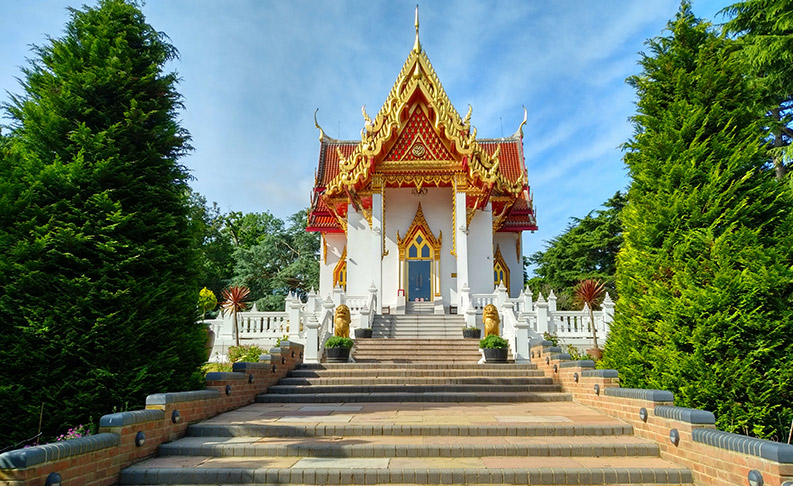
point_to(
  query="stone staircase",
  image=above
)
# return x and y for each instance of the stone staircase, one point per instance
(410, 423)
(417, 350)
(418, 326)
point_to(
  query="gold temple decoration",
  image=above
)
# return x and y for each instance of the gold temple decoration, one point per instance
(500, 270)
(519, 131)
(419, 226)
(417, 44)
(453, 251)
(341, 321)
(324, 249)
(340, 272)
(491, 320)
(321, 133)
(517, 248)
(418, 77)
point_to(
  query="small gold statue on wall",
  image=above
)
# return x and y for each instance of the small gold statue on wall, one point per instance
(341, 321)
(491, 320)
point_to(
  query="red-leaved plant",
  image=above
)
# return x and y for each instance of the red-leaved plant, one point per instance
(235, 300)
(589, 292)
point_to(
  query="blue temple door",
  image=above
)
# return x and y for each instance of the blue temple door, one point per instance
(419, 283)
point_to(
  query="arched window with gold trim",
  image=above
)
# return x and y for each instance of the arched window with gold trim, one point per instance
(500, 270)
(340, 272)
(419, 257)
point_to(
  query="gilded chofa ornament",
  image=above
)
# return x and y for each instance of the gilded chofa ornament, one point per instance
(341, 321)
(491, 320)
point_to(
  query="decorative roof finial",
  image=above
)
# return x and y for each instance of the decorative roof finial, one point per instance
(321, 133)
(417, 44)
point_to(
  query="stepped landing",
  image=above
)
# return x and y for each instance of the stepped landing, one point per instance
(414, 423)
(418, 326)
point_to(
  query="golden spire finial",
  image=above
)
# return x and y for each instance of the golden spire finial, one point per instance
(321, 133)
(417, 44)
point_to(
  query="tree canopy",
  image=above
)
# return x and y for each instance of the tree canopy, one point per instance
(704, 274)
(586, 250)
(765, 41)
(98, 261)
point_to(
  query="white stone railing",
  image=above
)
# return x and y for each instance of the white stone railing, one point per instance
(524, 319)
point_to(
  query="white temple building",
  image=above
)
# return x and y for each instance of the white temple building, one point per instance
(420, 208)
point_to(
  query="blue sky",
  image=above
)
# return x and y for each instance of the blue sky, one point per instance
(254, 71)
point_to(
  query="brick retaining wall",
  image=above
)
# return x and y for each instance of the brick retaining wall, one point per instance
(715, 457)
(97, 460)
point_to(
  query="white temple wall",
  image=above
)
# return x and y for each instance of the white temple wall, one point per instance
(359, 239)
(401, 205)
(508, 242)
(335, 244)
(480, 251)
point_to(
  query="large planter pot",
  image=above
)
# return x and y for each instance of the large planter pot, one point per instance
(472, 333)
(337, 355)
(495, 355)
(363, 333)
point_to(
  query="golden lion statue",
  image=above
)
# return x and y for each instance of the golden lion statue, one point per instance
(341, 321)
(491, 320)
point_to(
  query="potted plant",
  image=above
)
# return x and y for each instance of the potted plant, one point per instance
(495, 349)
(363, 333)
(337, 349)
(472, 332)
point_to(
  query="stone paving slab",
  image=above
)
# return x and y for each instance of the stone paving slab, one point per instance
(478, 413)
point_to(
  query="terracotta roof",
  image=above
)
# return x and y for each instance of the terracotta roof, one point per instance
(510, 158)
(329, 159)
(320, 218)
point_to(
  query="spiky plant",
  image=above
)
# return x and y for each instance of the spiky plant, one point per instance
(235, 300)
(589, 292)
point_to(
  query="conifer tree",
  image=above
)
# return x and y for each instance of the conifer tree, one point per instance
(97, 258)
(766, 49)
(704, 275)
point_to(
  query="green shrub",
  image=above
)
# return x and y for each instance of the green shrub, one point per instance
(553, 338)
(493, 341)
(245, 353)
(338, 342)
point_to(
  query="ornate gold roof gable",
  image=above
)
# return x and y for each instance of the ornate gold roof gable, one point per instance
(418, 76)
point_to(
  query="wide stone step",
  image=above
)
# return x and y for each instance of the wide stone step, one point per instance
(483, 372)
(413, 397)
(384, 446)
(412, 380)
(321, 429)
(495, 470)
(378, 388)
(415, 368)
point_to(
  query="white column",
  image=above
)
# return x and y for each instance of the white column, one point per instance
(462, 246)
(608, 315)
(542, 316)
(311, 350)
(376, 248)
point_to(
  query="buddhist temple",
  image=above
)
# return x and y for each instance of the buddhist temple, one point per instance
(419, 208)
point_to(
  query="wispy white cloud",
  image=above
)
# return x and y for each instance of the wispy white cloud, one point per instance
(254, 72)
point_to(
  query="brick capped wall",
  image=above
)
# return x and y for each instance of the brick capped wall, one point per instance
(97, 460)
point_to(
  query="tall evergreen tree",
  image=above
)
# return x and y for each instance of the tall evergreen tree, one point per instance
(704, 274)
(766, 48)
(98, 261)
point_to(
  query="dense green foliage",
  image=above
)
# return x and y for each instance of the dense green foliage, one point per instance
(493, 341)
(273, 259)
(586, 250)
(766, 50)
(338, 342)
(270, 256)
(247, 353)
(704, 274)
(97, 255)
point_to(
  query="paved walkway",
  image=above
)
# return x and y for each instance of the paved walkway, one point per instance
(560, 416)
